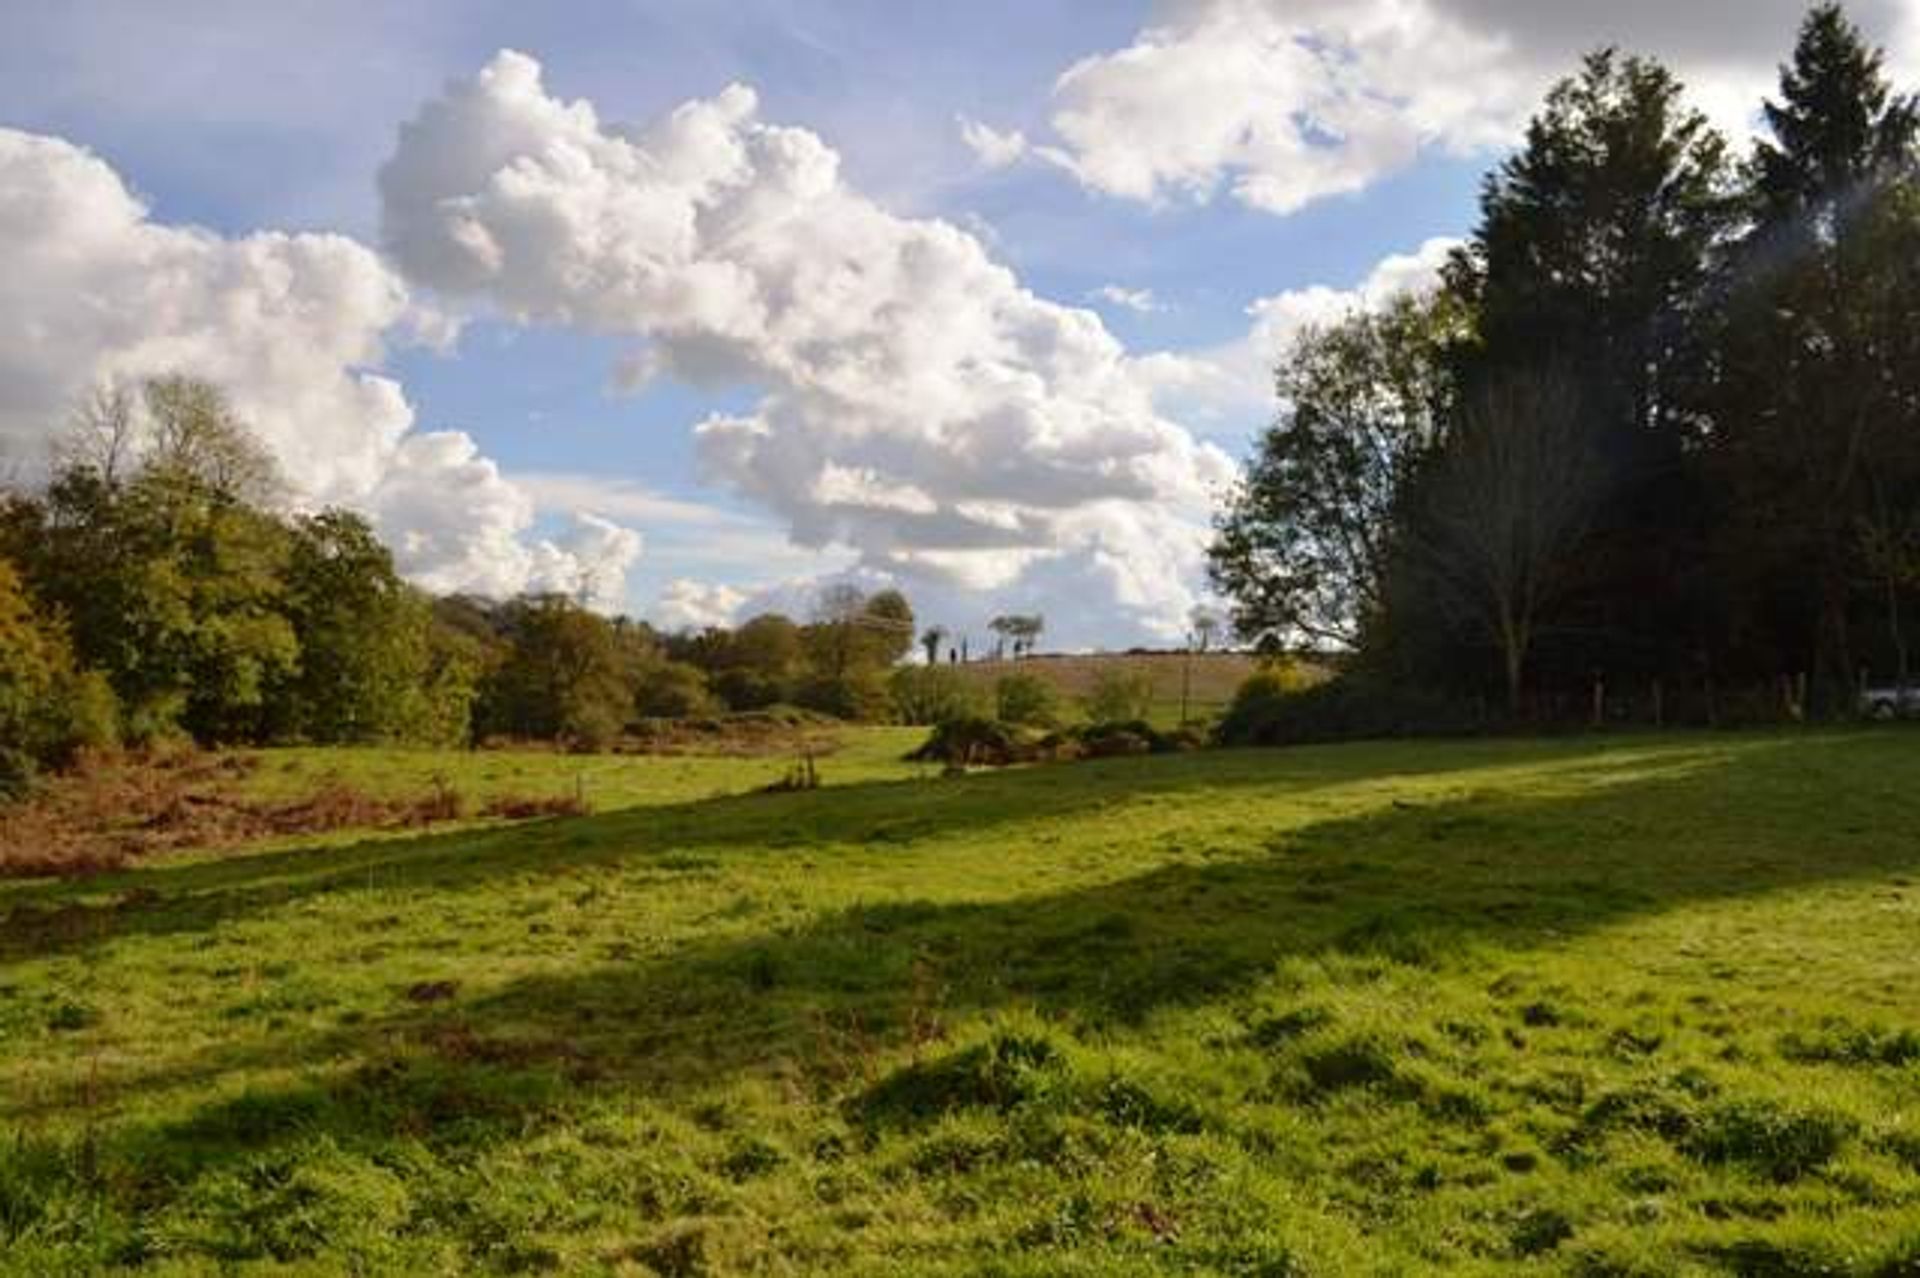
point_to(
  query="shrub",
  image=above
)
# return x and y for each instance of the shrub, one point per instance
(1271, 709)
(49, 710)
(1120, 696)
(971, 740)
(1116, 740)
(930, 694)
(87, 715)
(1027, 699)
(1134, 736)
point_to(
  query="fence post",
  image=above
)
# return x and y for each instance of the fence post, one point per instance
(1659, 705)
(1599, 699)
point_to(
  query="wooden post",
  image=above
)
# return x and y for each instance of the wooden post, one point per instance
(1186, 682)
(1599, 699)
(1659, 705)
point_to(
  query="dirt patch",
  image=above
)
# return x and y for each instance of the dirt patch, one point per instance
(526, 807)
(109, 812)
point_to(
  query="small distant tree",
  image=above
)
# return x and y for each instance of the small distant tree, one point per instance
(887, 623)
(1003, 629)
(931, 639)
(1019, 632)
(1203, 624)
(102, 435)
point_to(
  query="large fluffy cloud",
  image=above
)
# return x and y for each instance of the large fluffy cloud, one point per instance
(293, 327)
(1282, 102)
(1230, 386)
(918, 403)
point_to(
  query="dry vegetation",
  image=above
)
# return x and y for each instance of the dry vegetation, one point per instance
(114, 810)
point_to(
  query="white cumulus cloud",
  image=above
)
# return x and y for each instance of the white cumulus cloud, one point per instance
(685, 604)
(1283, 102)
(918, 403)
(1233, 383)
(992, 147)
(1140, 301)
(293, 327)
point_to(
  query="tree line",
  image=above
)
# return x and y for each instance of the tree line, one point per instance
(1659, 423)
(156, 587)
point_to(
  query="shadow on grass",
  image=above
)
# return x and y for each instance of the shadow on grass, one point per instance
(1420, 886)
(165, 898)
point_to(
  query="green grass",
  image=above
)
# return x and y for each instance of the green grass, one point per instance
(607, 781)
(1627, 1006)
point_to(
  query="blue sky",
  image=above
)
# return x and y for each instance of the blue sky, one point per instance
(243, 118)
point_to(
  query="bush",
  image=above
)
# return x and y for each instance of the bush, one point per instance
(87, 715)
(16, 773)
(1271, 709)
(930, 694)
(1120, 696)
(1136, 736)
(1028, 699)
(673, 690)
(971, 740)
(49, 710)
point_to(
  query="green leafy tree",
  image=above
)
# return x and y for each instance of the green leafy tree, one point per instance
(561, 676)
(170, 573)
(888, 624)
(761, 663)
(672, 690)
(363, 635)
(34, 659)
(1302, 547)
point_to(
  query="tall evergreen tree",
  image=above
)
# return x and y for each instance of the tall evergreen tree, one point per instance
(1818, 377)
(1592, 265)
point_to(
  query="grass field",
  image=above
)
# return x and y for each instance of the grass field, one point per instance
(1606, 1006)
(1208, 679)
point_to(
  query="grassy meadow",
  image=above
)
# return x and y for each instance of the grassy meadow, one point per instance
(1599, 1006)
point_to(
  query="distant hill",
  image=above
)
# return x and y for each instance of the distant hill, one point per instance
(1215, 675)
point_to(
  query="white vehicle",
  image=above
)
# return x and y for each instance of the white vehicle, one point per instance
(1891, 702)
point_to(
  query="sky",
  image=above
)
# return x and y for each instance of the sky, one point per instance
(690, 308)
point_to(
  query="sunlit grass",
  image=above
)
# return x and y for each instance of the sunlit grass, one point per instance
(1627, 1006)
